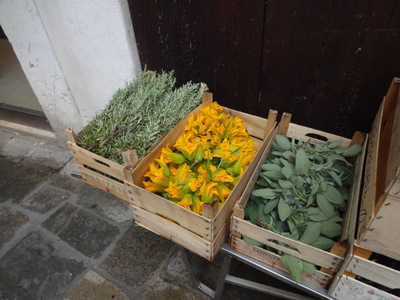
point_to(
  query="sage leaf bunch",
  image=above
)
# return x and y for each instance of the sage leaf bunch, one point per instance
(301, 193)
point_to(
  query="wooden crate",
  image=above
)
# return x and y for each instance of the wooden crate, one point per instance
(328, 261)
(107, 174)
(201, 234)
(379, 224)
(347, 285)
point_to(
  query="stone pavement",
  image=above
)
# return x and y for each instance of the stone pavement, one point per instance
(63, 239)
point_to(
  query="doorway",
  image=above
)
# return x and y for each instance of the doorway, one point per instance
(18, 103)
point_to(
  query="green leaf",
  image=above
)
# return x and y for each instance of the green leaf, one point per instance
(260, 211)
(276, 146)
(270, 205)
(333, 195)
(325, 206)
(262, 182)
(293, 229)
(308, 267)
(335, 144)
(289, 155)
(323, 243)
(302, 163)
(318, 217)
(271, 167)
(253, 213)
(313, 211)
(335, 177)
(285, 184)
(283, 142)
(336, 157)
(252, 241)
(330, 229)
(311, 234)
(336, 219)
(352, 150)
(315, 189)
(311, 200)
(287, 171)
(284, 210)
(294, 266)
(264, 193)
(273, 174)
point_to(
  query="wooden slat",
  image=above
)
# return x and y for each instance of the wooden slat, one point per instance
(247, 192)
(375, 272)
(159, 205)
(367, 204)
(350, 216)
(386, 169)
(303, 133)
(314, 255)
(97, 162)
(320, 278)
(103, 182)
(178, 234)
(383, 236)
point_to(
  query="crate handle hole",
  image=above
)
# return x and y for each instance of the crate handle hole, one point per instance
(102, 163)
(317, 136)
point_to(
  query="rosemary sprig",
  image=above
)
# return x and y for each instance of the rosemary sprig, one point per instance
(139, 114)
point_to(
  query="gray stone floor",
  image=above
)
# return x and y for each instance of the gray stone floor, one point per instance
(63, 239)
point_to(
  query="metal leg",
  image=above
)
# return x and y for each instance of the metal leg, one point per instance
(265, 288)
(222, 276)
(186, 259)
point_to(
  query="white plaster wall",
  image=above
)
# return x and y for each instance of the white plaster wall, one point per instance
(74, 53)
(95, 46)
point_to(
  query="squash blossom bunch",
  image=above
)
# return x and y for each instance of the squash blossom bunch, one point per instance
(208, 160)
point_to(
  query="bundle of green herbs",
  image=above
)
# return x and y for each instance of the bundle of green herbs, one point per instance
(301, 193)
(139, 114)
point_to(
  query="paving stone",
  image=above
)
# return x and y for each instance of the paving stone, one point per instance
(44, 200)
(105, 204)
(13, 144)
(17, 180)
(95, 287)
(162, 289)
(177, 269)
(136, 256)
(10, 222)
(34, 269)
(68, 183)
(87, 233)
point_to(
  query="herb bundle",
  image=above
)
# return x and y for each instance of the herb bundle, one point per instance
(139, 114)
(301, 193)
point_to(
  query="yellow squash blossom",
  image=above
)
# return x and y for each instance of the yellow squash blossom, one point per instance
(208, 161)
(174, 191)
(208, 192)
(171, 156)
(186, 201)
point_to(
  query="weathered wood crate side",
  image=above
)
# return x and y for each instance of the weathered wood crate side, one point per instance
(328, 261)
(180, 235)
(359, 266)
(350, 288)
(380, 199)
(98, 171)
(150, 209)
(107, 174)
